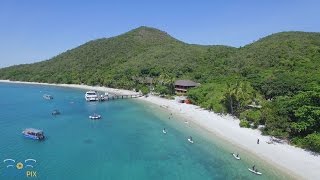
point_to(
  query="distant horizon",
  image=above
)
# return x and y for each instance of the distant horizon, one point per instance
(36, 31)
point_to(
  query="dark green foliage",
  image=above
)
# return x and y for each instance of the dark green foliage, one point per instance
(144, 90)
(281, 72)
(311, 142)
(252, 115)
(244, 123)
(238, 96)
(209, 96)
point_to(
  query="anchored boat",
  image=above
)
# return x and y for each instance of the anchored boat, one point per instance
(47, 96)
(91, 96)
(33, 134)
(95, 116)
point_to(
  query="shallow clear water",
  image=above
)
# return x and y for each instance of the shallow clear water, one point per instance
(127, 143)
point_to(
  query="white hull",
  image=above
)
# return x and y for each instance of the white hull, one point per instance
(95, 117)
(91, 96)
(164, 132)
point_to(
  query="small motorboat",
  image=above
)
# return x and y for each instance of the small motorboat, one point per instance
(236, 156)
(255, 171)
(55, 112)
(33, 134)
(47, 96)
(190, 140)
(186, 122)
(164, 131)
(95, 116)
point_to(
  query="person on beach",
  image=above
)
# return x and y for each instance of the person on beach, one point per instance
(258, 141)
(253, 167)
(237, 154)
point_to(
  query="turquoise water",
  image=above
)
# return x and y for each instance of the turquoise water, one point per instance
(127, 143)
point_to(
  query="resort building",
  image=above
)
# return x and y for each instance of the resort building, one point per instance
(182, 86)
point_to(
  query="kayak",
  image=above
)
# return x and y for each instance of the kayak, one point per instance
(235, 156)
(255, 172)
(191, 141)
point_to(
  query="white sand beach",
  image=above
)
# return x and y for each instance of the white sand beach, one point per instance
(295, 161)
(78, 86)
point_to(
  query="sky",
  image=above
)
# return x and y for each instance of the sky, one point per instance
(36, 30)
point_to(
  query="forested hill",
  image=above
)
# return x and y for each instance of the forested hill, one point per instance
(115, 61)
(279, 73)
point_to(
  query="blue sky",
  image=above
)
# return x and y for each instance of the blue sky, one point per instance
(36, 30)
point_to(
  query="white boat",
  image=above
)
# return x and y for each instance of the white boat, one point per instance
(33, 133)
(255, 171)
(47, 96)
(95, 116)
(235, 156)
(91, 96)
(190, 140)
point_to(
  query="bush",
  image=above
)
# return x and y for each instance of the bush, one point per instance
(144, 90)
(244, 123)
(312, 142)
(252, 115)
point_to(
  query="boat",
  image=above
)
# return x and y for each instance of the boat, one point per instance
(236, 156)
(33, 133)
(164, 131)
(55, 112)
(47, 96)
(255, 171)
(95, 116)
(190, 140)
(91, 96)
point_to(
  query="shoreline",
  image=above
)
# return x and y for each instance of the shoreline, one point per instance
(293, 161)
(298, 163)
(78, 86)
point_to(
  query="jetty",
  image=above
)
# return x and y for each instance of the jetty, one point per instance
(109, 97)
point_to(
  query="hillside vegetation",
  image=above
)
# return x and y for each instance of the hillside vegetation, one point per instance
(274, 82)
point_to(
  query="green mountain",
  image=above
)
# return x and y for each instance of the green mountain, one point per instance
(114, 61)
(280, 73)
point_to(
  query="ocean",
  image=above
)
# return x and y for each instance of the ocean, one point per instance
(127, 143)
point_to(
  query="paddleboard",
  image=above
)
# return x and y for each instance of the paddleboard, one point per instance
(235, 156)
(255, 172)
(164, 132)
(190, 140)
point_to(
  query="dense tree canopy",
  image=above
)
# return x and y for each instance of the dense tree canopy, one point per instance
(274, 81)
